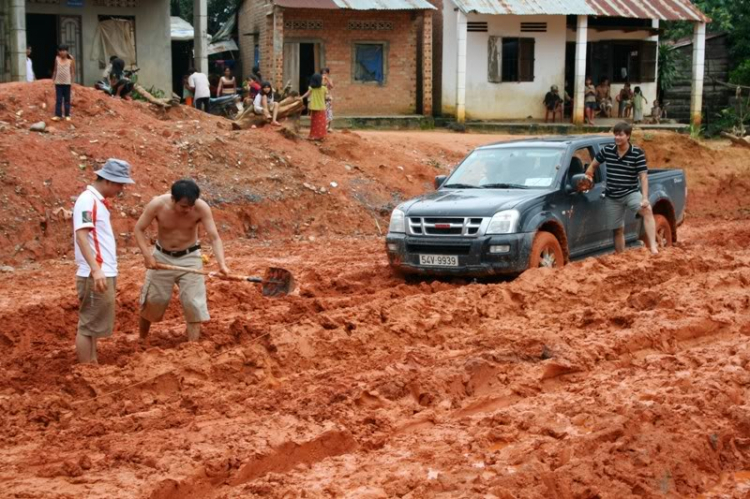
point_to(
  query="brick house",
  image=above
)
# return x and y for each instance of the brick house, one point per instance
(379, 52)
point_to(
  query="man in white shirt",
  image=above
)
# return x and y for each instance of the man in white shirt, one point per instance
(29, 65)
(96, 257)
(198, 84)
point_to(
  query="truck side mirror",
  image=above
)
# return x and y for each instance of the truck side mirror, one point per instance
(575, 180)
(439, 180)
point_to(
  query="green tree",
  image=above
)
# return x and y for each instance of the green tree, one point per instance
(218, 11)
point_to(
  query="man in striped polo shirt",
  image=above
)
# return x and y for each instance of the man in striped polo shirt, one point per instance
(626, 164)
(96, 256)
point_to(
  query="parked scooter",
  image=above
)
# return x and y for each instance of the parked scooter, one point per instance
(228, 106)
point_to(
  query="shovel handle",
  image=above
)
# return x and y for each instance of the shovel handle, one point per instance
(164, 266)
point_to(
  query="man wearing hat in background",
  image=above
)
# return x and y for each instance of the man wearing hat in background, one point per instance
(96, 257)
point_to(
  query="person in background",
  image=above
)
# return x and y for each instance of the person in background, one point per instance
(29, 65)
(227, 84)
(264, 104)
(639, 101)
(328, 83)
(198, 84)
(108, 70)
(589, 101)
(187, 94)
(96, 257)
(624, 99)
(553, 104)
(656, 112)
(63, 76)
(316, 104)
(604, 98)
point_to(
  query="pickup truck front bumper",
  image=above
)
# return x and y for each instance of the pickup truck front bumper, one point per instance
(474, 256)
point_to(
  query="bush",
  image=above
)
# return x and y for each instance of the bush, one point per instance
(741, 74)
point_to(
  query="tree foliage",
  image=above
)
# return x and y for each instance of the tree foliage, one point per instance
(730, 16)
(218, 11)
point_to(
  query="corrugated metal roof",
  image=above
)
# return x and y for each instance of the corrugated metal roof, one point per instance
(665, 10)
(526, 7)
(356, 4)
(307, 4)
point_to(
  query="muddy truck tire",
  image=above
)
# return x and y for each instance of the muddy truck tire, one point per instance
(546, 251)
(664, 236)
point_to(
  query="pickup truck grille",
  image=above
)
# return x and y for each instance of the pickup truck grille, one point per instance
(444, 226)
(430, 249)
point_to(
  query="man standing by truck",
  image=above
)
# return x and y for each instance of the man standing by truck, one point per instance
(177, 216)
(626, 164)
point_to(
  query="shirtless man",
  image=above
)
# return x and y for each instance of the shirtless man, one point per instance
(177, 216)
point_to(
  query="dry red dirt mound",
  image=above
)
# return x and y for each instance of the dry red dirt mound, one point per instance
(259, 182)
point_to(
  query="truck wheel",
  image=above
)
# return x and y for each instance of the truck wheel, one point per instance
(546, 252)
(663, 231)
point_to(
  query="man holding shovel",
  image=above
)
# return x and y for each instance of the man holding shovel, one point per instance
(177, 217)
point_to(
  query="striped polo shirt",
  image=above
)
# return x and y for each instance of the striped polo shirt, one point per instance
(622, 172)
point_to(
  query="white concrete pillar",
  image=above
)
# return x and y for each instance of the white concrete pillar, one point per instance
(200, 40)
(696, 91)
(579, 83)
(17, 27)
(461, 67)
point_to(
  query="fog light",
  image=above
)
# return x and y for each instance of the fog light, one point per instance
(392, 247)
(500, 248)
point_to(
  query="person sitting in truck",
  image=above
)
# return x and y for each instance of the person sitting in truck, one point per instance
(626, 165)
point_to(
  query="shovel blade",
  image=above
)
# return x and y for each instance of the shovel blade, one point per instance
(277, 282)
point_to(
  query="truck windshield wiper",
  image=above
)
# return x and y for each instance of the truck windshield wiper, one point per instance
(461, 186)
(505, 186)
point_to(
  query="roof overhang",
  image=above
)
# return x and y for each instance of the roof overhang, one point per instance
(356, 4)
(663, 10)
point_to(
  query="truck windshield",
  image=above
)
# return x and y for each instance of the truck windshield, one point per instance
(508, 168)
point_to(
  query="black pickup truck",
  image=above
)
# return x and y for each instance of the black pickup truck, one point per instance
(515, 205)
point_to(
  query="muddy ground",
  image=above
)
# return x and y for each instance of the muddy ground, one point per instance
(614, 377)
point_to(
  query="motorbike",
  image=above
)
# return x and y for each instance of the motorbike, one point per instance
(126, 82)
(228, 106)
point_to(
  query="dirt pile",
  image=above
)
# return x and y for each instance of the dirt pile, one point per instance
(260, 183)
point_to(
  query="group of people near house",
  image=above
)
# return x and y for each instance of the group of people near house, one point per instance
(263, 98)
(598, 101)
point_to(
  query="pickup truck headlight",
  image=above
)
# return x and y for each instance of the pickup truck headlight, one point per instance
(503, 222)
(398, 224)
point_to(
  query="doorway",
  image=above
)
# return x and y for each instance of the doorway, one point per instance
(44, 32)
(301, 60)
(42, 35)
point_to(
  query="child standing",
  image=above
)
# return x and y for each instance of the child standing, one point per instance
(624, 98)
(65, 68)
(638, 102)
(316, 96)
(328, 83)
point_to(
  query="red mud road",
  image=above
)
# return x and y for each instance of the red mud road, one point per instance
(614, 377)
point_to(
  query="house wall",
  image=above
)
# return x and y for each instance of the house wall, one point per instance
(152, 37)
(649, 89)
(507, 100)
(399, 93)
(251, 22)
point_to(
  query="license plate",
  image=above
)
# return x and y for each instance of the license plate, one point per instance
(438, 260)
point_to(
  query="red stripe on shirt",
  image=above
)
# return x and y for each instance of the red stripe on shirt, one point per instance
(99, 258)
